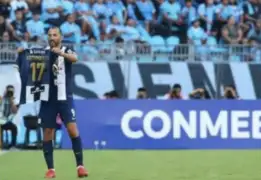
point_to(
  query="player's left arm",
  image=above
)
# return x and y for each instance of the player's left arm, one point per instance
(69, 54)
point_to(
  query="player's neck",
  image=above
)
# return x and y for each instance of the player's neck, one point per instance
(58, 46)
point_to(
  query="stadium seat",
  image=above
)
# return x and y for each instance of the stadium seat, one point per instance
(159, 50)
(256, 54)
(202, 53)
(211, 41)
(234, 58)
(171, 42)
(6, 138)
(31, 123)
(215, 51)
(89, 51)
(157, 43)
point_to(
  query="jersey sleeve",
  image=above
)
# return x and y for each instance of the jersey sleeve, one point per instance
(18, 89)
(70, 50)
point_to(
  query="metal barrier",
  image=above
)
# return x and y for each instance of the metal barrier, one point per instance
(148, 53)
(120, 67)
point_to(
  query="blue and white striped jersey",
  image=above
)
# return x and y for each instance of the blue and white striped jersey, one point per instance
(34, 68)
(38, 80)
(60, 84)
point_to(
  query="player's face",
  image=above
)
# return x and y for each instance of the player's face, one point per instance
(54, 37)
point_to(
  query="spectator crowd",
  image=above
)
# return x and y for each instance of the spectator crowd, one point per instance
(175, 93)
(109, 21)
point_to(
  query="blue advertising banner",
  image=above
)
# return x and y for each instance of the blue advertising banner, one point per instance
(163, 124)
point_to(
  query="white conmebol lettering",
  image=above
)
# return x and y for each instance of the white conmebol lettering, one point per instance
(125, 124)
(209, 127)
(237, 123)
(188, 125)
(166, 124)
(256, 124)
(197, 123)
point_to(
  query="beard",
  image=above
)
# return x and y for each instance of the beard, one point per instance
(53, 43)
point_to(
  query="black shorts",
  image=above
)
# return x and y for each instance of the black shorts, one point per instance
(49, 111)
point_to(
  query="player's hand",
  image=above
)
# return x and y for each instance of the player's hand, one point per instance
(19, 50)
(55, 69)
(57, 51)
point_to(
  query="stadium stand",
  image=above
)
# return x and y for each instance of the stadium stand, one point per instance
(81, 21)
(143, 30)
(210, 28)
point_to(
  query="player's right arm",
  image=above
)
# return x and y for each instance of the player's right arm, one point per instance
(69, 54)
(19, 58)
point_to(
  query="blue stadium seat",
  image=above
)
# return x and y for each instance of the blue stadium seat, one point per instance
(7, 137)
(157, 43)
(159, 49)
(256, 54)
(172, 42)
(211, 41)
(234, 58)
(215, 51)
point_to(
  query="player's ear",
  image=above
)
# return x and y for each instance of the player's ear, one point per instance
(61, 36)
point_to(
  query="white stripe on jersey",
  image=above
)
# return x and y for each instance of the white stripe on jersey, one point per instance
(45, 94)
(61, 77)
(29, 96)
(17, 87)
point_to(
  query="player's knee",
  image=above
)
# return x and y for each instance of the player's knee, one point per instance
(48, 134)
(72, 130)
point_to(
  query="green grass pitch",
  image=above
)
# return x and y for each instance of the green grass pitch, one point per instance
(137, 165)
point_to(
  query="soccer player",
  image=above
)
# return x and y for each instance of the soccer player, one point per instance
(60, 101)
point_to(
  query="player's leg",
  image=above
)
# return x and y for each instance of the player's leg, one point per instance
(76, 142)
(68, 116)
(48, 121)
(48, 134)
(77, 147)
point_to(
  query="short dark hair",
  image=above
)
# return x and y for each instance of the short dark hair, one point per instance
(68, 15)
(106, 94)
(142, 89)
(92, 37)
(114, 93)
(35, 39)
(9, 86)
(176, 86)
(55, 27)
(19, 9)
